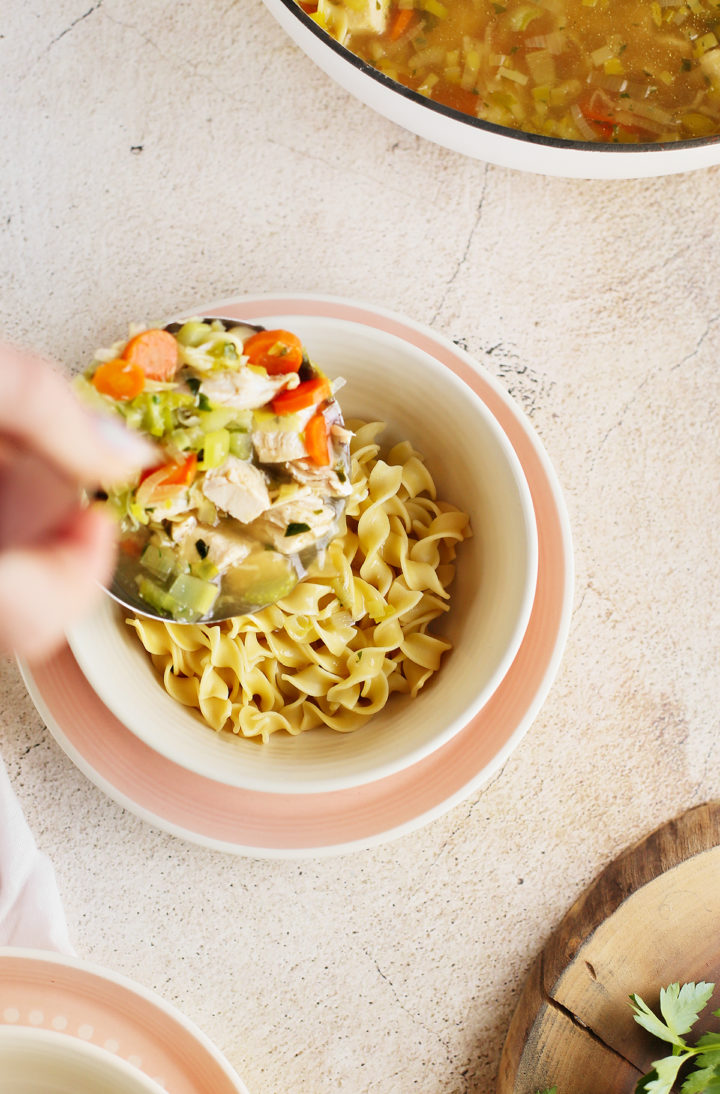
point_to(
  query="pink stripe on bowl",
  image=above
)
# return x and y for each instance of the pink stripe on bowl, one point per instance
(47, 991)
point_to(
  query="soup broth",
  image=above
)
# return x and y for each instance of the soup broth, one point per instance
(626, 71)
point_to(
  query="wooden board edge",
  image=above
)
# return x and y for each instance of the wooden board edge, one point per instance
(671, 843)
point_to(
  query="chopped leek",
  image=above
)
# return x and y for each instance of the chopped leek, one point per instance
(192, 595)
(216, 448)
(241, 445)
(158, 560)
(193, 333)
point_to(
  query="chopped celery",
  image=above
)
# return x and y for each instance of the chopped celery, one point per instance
(189, 439)
(193, 333)
(138, 512)
(204, 569)
(134, 414)
(241, 445)
(522, 16)
(263, 578)
(216, 448)
(155, 417)
(159, 560)
(227, 351)
(192, 595)
(268, 421)
(157, 597)
(155, 411)
(221, 417)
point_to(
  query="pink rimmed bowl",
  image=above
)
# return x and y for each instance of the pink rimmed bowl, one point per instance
(475, 467)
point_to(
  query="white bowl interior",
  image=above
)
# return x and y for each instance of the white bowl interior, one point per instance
(483, 140)
(34, 1061)
(474, 467)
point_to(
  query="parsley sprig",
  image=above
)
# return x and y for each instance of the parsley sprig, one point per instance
(680, 1008)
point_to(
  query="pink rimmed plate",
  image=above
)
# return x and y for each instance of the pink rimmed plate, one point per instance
(47, 991)
(286, 825)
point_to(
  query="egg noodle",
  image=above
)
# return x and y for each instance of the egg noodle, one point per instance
(352, 632)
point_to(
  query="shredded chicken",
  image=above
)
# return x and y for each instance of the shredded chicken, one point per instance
(223, 546)
(244, 389)
(278, 445)
(366, 15)
(237, 487)
(340, 434)
(304, 507)
(323, 480)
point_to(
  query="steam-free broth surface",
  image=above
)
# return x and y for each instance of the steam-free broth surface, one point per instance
(592, 70)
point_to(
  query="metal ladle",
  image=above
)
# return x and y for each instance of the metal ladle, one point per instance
(124, 588)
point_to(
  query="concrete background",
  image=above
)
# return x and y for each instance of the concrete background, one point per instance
(160, 155)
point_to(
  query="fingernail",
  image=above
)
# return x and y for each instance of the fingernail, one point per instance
(125, 442)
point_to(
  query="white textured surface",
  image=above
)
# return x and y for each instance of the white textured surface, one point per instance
(162, 154)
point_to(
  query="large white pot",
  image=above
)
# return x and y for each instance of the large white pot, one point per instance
(483, 140)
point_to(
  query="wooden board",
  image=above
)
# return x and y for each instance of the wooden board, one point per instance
(651, 918)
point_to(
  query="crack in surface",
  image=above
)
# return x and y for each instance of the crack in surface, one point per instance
(466, 250)
(413, 1017)
(689, 356)
(74, 23)
(629, 402)
(143, 37)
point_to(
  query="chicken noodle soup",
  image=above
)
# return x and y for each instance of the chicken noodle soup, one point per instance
(590, 70)
(354, 631)
(253, 470)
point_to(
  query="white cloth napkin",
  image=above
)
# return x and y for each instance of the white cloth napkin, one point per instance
(31, 912)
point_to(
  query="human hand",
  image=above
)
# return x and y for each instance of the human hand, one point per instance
(54, 553)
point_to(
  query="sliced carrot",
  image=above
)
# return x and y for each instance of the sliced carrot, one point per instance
(175, 474)
(400, 23)
(317, 440)
(158, 484)
(457, 98)
(603, 119)
(274, 350)
(155, 351)
(302, 396)
(119, 379)
(132, 546)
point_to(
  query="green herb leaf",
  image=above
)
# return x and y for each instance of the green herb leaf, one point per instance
(666, 1072)
(708, 1048)
(681, 1006)
(706, 1079)
(650, 1021)
(642, 1085)
(295, 528)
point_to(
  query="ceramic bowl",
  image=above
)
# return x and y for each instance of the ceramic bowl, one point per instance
(38, 1061)
(484, 140)
(475, 467)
